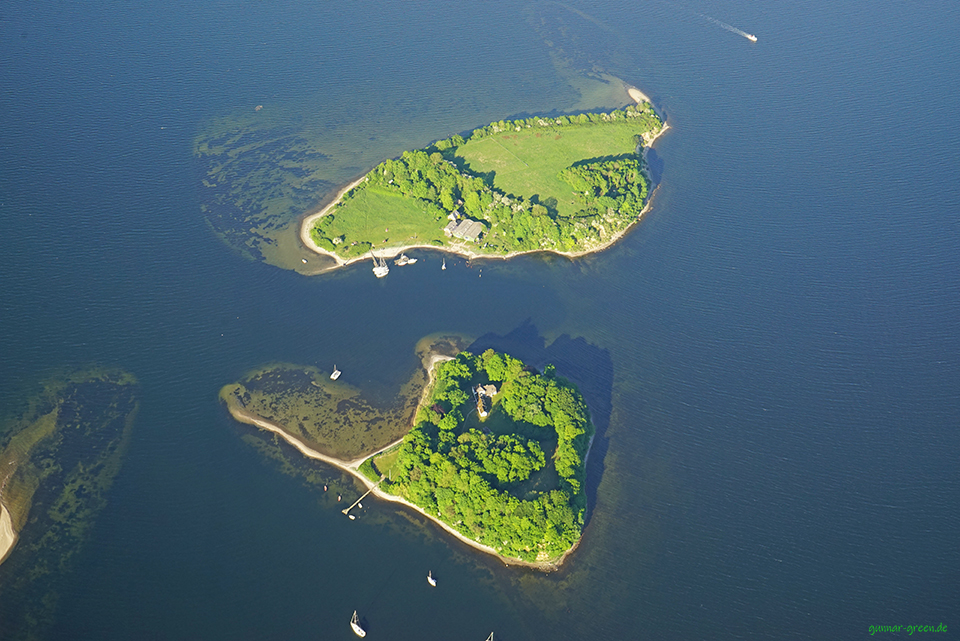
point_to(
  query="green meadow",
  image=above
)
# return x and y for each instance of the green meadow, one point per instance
(527, 163)
(378, 217)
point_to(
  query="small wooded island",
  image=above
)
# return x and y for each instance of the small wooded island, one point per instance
(568, 184)
(496, 456)
(503, 467)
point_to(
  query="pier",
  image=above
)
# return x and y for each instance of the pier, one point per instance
(355, 503)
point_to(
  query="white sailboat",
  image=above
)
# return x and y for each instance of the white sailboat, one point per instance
(432, 581)
(444, 266)
(380, 268)
(336, 373)
(355, 626)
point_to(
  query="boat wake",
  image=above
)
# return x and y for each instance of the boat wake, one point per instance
(730, 28)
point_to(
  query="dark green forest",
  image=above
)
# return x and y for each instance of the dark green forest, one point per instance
(513, 481)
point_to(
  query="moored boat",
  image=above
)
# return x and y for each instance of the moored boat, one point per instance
(380, 268)
(432, 581)
(355, 626)
(336, 374)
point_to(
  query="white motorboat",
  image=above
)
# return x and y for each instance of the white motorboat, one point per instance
(336, 373)
(355, 626)
(432, 581)
(404, 260)
(444, 265)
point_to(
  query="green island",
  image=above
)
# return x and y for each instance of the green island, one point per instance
(570, 184)
(496, 454)
(58, 457)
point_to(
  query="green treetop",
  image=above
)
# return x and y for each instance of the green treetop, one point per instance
(513, 480)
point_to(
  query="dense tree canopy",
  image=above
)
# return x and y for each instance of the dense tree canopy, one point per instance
(481, 480)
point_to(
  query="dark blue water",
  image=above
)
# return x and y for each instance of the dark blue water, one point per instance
(781, 331)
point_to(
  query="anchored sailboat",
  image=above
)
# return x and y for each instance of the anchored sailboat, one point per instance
(380, 268)
(444, 266)
(355, 625)
(336, 374)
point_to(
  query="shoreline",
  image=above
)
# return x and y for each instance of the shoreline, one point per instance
(352, 467)
(8, 537)
(462, 249)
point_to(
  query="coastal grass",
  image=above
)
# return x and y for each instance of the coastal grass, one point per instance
(528, 162)
(361, 219)
(366, 468)
(384, 462)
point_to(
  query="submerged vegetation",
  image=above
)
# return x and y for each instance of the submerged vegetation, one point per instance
(512, 480)
(331, 417)
(566, 184)
(58, 458)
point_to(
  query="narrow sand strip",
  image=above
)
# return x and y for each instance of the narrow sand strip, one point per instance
(8, 538)
(307, 223)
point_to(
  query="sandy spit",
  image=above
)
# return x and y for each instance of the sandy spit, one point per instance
(8, 538)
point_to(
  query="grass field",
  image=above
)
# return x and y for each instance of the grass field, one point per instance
(527, 162)
(410, 221)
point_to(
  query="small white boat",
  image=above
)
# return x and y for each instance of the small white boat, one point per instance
(444, 266)
(303, 260)
(352, 517)
(432, 581)
(404, 260)
(490, 638)
(336, 373)
(355, 626)
(751, 37)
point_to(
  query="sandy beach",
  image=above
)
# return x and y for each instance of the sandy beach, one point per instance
(307, 224)
(8, 538)
(352, 468)
(462, 249)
